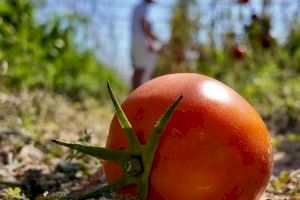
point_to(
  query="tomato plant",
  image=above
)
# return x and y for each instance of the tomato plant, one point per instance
(210, 143)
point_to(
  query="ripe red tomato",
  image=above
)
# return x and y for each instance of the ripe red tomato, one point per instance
(215, 146)
(237, 52)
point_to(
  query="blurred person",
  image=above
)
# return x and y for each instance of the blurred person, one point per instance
(145, 45)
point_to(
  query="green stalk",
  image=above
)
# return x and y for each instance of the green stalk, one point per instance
(121, 157)
(151, 147)
(133, 142)
(158, 130)
(137, 161)
(124, 181)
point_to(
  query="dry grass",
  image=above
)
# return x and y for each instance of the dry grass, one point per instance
(29, 119)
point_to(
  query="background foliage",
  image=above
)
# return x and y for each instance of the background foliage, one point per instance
(46, 56)
(261, 69)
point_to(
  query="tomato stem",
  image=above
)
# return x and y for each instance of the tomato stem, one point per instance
(150, 149)
(136, 161)
(134, 166)
(134, 145)
(121, 157)
(158, 130)
(108, 189)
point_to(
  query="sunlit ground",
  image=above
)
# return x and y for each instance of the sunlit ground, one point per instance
(29, 161)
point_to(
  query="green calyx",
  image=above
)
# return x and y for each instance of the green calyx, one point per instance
(134, 166)
(136, 161)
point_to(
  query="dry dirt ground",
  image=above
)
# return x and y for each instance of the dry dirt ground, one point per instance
(28, 120)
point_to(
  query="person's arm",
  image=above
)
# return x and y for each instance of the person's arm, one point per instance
(146, 26)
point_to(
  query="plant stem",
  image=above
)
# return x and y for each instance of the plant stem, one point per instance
(159, 128)
(134, 145)
(121, 157)
(124, 181)
(137, 161)
(151, 147)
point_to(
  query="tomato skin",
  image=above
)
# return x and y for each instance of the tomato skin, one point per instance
(215, 146)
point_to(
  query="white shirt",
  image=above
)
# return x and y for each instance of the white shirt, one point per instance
(140, 12)
(142, 57)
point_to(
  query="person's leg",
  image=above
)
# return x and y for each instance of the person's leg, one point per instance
(148, 74)
(137, 78)
(143, 63)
